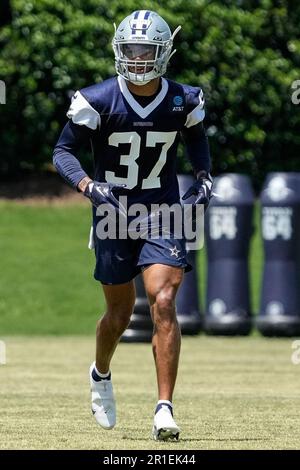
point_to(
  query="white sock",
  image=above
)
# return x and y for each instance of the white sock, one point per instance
(102, 376)
(165, 401)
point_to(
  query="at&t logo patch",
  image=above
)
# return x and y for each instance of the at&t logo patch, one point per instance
(177, 103)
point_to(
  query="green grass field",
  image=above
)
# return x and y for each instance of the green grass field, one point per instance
(47, 285)
(232, 393)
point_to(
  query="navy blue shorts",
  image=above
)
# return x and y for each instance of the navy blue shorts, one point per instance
(119, 261)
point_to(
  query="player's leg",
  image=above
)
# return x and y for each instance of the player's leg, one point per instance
(161, 284)
(120, 301)
(115, 269)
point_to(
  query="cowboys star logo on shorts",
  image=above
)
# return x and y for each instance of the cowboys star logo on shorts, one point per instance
(174, 251)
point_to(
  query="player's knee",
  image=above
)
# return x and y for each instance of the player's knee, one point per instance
(117, 319)
(120, 323)
(121, 307)
(165, 302)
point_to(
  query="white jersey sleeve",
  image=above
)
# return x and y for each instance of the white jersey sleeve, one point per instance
(82, 113)
(198, 113)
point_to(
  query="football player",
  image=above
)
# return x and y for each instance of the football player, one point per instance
(134, 122)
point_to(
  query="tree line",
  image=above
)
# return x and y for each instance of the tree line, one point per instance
(244, 54)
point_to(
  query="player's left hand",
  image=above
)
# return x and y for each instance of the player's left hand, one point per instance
(202, 189)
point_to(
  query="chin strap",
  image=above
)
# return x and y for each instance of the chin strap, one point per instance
(138, 83)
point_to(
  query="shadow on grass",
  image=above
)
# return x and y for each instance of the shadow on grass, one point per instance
(200, 439)
(230, 439)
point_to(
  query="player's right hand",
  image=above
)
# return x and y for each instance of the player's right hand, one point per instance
(102, 193)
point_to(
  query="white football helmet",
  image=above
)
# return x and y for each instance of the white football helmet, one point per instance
(143, 46)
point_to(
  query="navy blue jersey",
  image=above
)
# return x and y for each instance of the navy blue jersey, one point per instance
(134, 145)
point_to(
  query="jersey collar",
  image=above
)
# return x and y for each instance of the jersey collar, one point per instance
(143, 112)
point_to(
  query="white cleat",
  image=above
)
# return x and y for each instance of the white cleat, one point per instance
(103, 401)
(164, 426)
